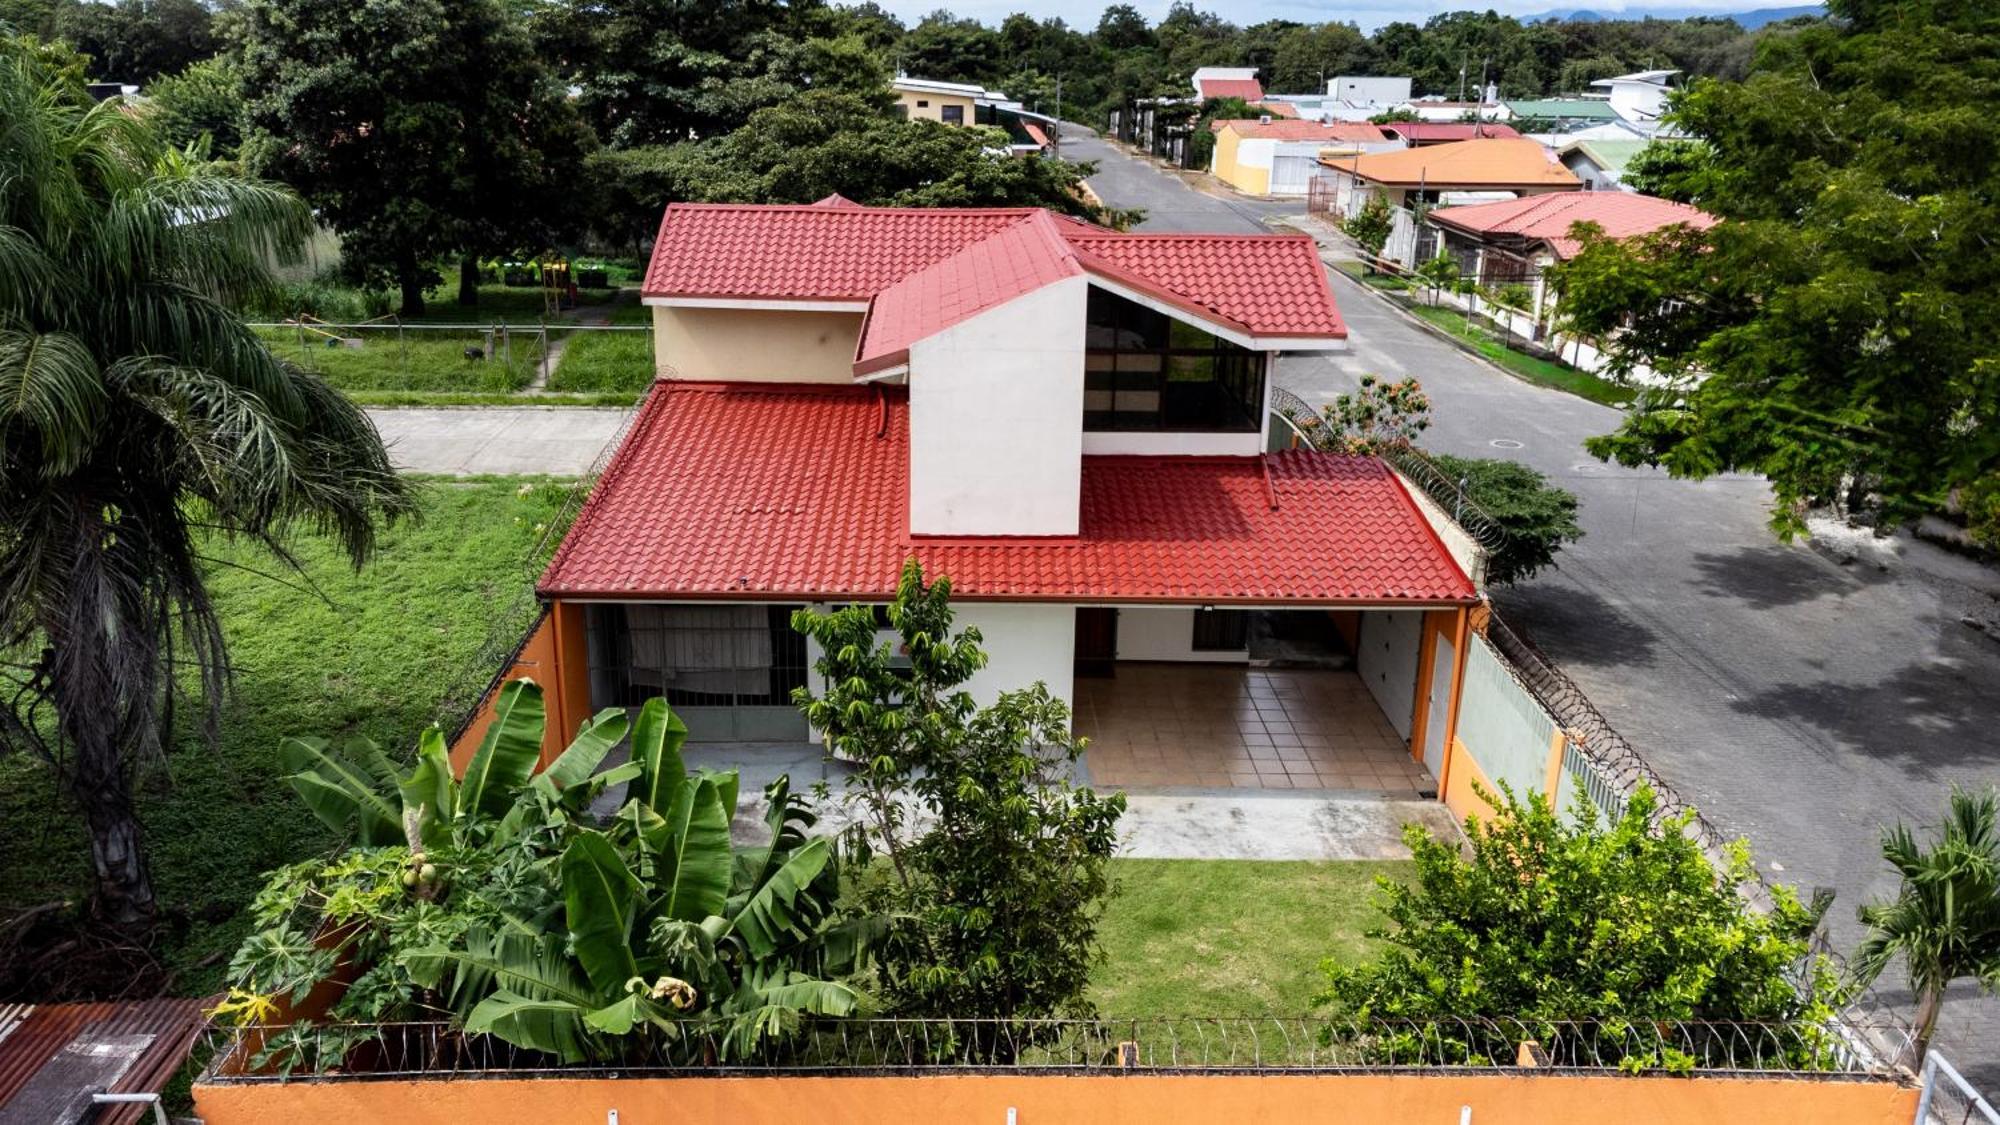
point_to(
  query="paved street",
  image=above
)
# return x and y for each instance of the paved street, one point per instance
(467, 441)
(1797, 701)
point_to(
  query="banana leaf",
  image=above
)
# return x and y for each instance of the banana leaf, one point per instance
(431, 787)
(657, 737)
(699, 842)
(574, 765)
(341, 792)
(600, 899)
(771, 916)
(507, 755)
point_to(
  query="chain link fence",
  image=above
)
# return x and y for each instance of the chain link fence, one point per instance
(467, 358)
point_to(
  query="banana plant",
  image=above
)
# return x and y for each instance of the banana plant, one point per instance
(354, 784)
(721, 948)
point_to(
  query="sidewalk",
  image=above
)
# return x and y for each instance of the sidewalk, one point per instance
(506, 440)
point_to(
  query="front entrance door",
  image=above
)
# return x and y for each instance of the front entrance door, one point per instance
(1096, 641)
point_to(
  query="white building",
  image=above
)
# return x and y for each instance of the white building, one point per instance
(1070, 423)
(1639, 97)
(1374, 90)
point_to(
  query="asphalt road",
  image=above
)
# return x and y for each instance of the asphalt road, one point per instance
(1797, 701)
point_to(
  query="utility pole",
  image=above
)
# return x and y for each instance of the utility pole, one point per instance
(1055, 131)
(1464, 61)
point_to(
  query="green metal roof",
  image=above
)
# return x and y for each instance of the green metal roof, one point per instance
(1612, 156)
(1570, 109)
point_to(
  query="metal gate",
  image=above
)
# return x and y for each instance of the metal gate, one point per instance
(1948, 1099)
(1291, 174)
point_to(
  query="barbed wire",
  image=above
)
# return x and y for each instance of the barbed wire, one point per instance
(1204, 1043)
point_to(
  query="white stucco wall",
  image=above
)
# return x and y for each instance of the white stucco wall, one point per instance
(1105, 444)
(1165, 634)
(1025, 642)
(996, 419)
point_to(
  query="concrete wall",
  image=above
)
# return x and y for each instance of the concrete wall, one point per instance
(1463, 548)
(1502, 1097)
(996, 419)
(1166, 634)
(755, 345)
(1370, 90)
(1025, 642)
(933, 110)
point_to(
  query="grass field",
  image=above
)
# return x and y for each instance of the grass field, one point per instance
(500, 303)
(605, 362)
(376, 655)
(1534, 369)
(1231, 937)
(413, 360)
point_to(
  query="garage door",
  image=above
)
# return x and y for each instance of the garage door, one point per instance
(1290, 174)
(1386, 657)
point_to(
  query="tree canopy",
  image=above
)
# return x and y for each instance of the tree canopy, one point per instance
(1835, 332)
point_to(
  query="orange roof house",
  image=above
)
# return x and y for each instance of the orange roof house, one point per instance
(1543, 223)
(1495, 164)
(1277, 156)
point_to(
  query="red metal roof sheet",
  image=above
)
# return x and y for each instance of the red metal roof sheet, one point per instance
(1249, 89)
(1275, 285)
(996, 269)
(1549, 217)
(742, 490)
(1035, 133)
(926, 269)
(159, 1034)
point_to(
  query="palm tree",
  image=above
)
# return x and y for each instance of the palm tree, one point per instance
(1945, 919)
(137, 414)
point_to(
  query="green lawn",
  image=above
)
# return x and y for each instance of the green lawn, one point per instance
(1534, 369)
(1380, 280)
(605, 362)
(377, 656)
(419, 359)
(1231, 937)
(504, 304)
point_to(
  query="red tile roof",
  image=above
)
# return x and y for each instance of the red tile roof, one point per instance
(1249, 89)
(1295, 130)
(924, 270)
(746, 490)
(1548, 218)
(1278, 109)
(1498, 163)
(1439, 132)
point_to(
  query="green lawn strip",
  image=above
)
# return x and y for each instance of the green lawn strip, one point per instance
(417, 359)
(1548, 373)
(619, 361)
(1198, 937)
(374, 657)
(391, 399)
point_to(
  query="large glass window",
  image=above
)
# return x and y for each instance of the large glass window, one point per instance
(694, 655)
(1144, 370)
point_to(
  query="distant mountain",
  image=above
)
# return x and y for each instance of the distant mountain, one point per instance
(1750, 20)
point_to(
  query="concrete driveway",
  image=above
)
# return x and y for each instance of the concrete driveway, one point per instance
(1797, 701)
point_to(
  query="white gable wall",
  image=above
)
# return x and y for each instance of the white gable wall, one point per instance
(996, 409)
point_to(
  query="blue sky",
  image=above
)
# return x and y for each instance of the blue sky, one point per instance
(1368, 14)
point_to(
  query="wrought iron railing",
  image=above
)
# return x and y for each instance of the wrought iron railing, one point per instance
(254, 1054)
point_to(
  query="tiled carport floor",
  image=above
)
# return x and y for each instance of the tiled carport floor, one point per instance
(1216, 726)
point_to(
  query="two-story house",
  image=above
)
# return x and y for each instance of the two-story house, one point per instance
(1071, 423)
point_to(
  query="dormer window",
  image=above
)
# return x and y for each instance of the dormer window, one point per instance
(1147, 371)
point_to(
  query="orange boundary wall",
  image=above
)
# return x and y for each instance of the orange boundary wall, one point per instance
(1268, 1099)
(554, 657)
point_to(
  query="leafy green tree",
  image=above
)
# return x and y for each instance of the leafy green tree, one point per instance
(1540, 919)
(200, 106)
(823, 142)
(1670, 169)
(1538, 517)
(1834, 331)
(138, 40)
(502, 898)
(137, 414)
(1945, 919)
(1370, 227)
(416, 128)
(995, 901)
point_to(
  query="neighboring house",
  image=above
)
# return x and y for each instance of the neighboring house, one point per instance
(1562, 114)
(1600, 164)
(1444, 110)
(1227, 82)
(1381, 91)
(1267, 157)
(1488, 168)
(962, 103)
(1513, 242)
(1417, 134)
(1640, 97)
(1068, 422)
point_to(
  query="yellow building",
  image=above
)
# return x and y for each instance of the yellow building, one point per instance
(954, 103)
